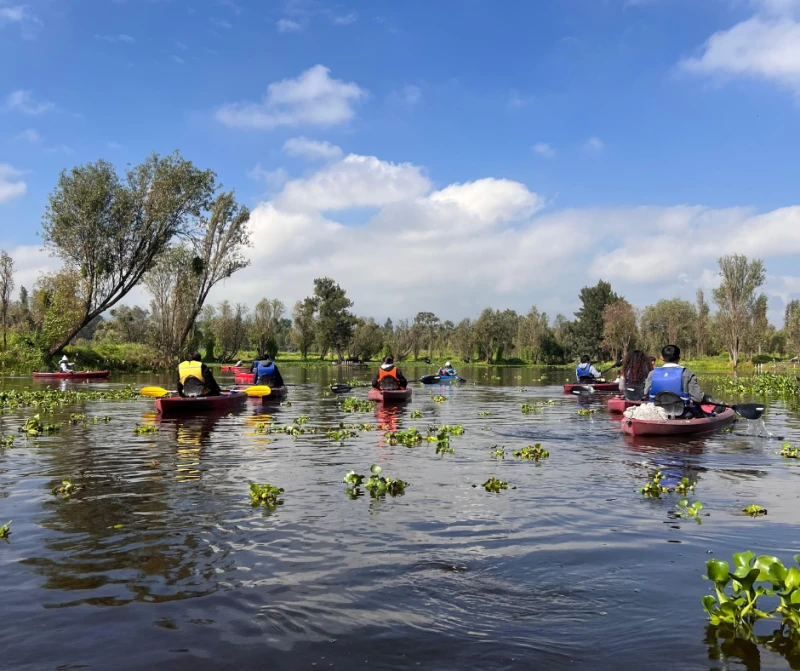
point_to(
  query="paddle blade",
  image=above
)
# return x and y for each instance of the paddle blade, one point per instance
(582, 391)
(154, 392)
(750, 410)
(430, 379)
(340, 388)
(257, 390)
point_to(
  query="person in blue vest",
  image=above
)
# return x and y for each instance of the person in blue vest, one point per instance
(266, 372)
(677, 379)
(448, 370)
(586, 372)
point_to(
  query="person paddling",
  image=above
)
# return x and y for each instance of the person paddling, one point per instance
(672, 377)
(586, 372)
(196, 379)
(635, 371)
(265, 371)
(389, 377)
(448, 370)
(64, 366)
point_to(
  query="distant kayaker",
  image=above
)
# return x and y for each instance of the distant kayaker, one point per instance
(265, 371)
(238, 363)
(389, 377)
(586, 372)
(677, 379)
(196, 379)
(64, 366)
(448, 370)
(635, 370)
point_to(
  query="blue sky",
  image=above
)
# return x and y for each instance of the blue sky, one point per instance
(630, 140)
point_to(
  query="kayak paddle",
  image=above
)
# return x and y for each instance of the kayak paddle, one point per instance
(746, 410)
(160, 392)
(340, 388)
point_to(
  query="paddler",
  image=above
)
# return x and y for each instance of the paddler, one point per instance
(677, 379)
(196, 379)
(586, 372)
(389, 377)
(266, 372)
(635, 371)
(64, 366)
(448, 370)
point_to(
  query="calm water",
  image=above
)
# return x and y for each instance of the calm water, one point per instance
(572, 569)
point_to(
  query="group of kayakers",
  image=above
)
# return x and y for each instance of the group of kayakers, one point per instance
(196, 379)
(641, 380)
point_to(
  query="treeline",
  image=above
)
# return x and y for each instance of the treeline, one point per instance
(167, 227)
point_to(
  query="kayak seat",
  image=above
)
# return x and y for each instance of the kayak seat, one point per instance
(672, 404)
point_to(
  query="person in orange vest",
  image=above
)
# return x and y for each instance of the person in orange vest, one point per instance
(389, 377)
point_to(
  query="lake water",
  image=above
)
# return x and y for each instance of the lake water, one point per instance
(572, 568)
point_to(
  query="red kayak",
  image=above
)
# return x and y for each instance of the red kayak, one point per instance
(244, 378)
(73, 375)
(679, 427)
(199, 404)
(620, 404)
(234, 369)
(597, 386)
(389, 395)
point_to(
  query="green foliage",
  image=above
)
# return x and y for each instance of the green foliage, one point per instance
(410, 437)
(688, 510)
(377, 485)
(34, 426)
(685, 486)
(498, 452)
(334, 323)
(765, 384)
(77, 418)
(6, 441)
(654, 488)
(5, 530)
(266, 495)
(754, 510)
(46, 400)
(586, 412)
(146, 428)
(341, 434)
(66, 488)
(415, 414)
(587, 330)
(789, 452)
(439, 398)
(494, 485)
(536, 406)
(534, 452)
(352, 404)
(484, 414)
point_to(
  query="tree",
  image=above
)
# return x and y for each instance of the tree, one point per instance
(367, 340)
(56, 306)
(791, 326)
(217, 240)
(736, 299)
(494, 332)
(427, 323)
(229, 329)
(760, 331)
(533, 328)
(701, 325)
(304, 331)
(22, 310)
(464, 340)
(334, 321)
(265, 324)
(400, 342)
(587, 330)
(110, 231)
(6, 287)
(127, 325)
(669, 322)
(619, 328)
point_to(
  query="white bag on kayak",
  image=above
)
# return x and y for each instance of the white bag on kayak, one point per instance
(647, 411)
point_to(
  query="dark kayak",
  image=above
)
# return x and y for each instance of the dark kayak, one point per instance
(73, 375)
(596, 386)
(390, 395)
(678, 427)
(620, 404)
(178, 404)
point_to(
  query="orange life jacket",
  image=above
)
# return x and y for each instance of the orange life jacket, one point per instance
(392, 372)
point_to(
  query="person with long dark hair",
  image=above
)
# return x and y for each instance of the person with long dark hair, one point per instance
(633, 375)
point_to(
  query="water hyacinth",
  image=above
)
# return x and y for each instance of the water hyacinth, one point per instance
(266, 495)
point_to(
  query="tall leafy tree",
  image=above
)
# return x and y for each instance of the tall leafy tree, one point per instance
(335, 322)
(229, 326)
(619, 327)
(6, 287)
(110, 230)
(760, 329)
(701, 325)
(736, 299)
(265, 325)
(587, 330)
(304, 325)
(670, 322)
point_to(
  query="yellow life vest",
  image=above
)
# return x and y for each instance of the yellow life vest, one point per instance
(187, 369)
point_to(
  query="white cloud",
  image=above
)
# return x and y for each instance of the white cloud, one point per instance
(28, 135)
(11, 186)
(14, 14)
(313, 98)
(594, 144)
(117, 39)
(274, 179)
(311, 149)
(20, 16)
(544, 149)
(288, 26)
(30, 261)
(22, 101)
(345, 20)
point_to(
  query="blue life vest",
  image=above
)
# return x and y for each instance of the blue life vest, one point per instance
(261, 369)
(669, 378)
(583, 371)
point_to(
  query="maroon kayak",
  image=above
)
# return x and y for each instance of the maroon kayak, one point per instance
(73, 375)
(620, 404)
(243, 378)
(597, 386)
(390, 395)
(679, 427)
(235, 369)
(179, 404)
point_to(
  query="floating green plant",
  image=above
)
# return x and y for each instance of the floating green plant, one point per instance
(586, 412)
(341, 434)
(484, 414)
(410, 437)
(5, 530)
(755, 511)
(146, 428)
(685, 486)
(266, 495)
(302, 419)
(654, 488)
(740, 609)
(377, 485)
(439, 398)
(535, 452)
(494, 485)
(366, 427)
(498, 452)
(48, 399)
(789, 452)
(6, 441)
(688, 510)
(766, 384)
(34, 426)
(66, 488)
(449, 429)
(77, 418)
(443, 446)
(415, 414)
(353, 404)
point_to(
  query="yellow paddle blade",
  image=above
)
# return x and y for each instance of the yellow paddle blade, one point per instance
(154, 392)
(259, 390)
